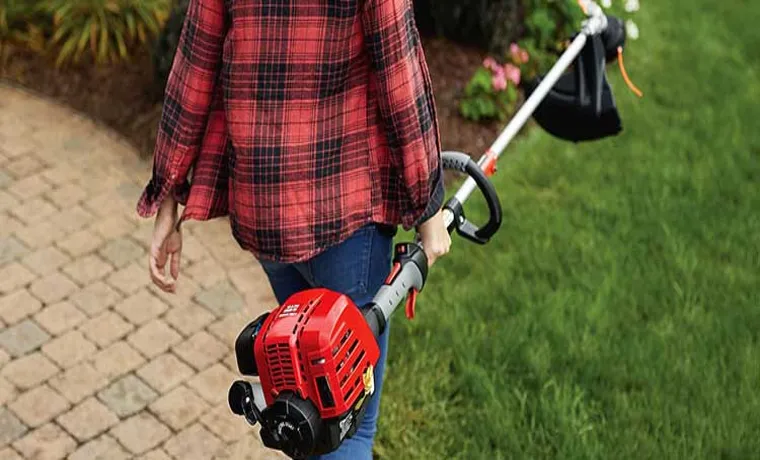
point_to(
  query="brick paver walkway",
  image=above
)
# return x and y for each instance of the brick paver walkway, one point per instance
(95, 363)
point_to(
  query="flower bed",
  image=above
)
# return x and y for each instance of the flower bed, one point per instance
(493, 92)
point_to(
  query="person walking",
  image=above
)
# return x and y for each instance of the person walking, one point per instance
(312, 126)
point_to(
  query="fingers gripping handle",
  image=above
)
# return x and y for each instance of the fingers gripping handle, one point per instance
(406, 280)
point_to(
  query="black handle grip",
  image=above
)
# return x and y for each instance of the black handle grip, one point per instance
(409, 273)
(463, 163)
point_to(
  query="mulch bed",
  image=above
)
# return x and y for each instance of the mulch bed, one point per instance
(121, 96)
(124, 96)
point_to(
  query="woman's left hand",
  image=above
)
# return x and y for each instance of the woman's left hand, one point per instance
(435, 238)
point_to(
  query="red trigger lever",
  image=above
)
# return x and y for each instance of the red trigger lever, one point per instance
(411, 300)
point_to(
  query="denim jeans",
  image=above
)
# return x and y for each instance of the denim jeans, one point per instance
(357, 267)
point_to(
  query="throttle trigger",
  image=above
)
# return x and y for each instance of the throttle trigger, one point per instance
(411, 301)
(394, 271)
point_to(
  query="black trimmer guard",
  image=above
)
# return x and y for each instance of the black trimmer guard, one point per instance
(581, 106)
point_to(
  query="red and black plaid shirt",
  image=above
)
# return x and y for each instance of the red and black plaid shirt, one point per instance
(302, 121)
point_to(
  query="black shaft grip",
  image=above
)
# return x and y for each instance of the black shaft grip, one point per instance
(412, 274)
(456, 161)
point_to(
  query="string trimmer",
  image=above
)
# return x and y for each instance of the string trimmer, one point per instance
(315, 354)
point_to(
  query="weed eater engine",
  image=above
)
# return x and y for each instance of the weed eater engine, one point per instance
(315, 354)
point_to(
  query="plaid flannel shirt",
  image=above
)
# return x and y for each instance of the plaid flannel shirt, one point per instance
(301, 121)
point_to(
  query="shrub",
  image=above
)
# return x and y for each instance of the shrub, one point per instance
(107, 29)
(484, 23)
(493, 91)
(21, 24)
(166, 45)
(549, 25)
(490, 25)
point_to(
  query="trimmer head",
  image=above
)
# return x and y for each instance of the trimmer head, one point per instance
(581, 106)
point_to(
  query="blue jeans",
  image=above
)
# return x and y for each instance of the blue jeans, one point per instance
(357, 267)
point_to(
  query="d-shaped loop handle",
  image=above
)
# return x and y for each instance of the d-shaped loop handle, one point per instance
(462, 162)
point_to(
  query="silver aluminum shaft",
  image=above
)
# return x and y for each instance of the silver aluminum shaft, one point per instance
(526, 111)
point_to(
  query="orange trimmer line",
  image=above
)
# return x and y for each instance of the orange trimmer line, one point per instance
(625, 74)
(628, 81)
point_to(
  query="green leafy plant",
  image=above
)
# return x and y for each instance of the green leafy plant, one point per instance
(487, 24)
(108, 29)
(21, 24)
(492, 92)
(549, 26)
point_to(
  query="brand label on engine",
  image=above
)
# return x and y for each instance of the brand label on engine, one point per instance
(289, 310)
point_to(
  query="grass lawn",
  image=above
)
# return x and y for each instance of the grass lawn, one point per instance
(616, 315)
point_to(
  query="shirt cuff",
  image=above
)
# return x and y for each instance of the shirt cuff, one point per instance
(155, 193)
(437, 194)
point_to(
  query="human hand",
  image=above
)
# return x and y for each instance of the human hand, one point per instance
(434, 237)
(166, 244)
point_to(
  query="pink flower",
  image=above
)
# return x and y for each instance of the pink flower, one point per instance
(518, 55)
(512, 73)
(514, 51)
(490, 63)
(499, 82)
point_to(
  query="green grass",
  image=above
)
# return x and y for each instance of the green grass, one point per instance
(616, 314)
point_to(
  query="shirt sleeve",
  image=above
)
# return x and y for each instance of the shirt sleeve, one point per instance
(405, 98)
(187, 102)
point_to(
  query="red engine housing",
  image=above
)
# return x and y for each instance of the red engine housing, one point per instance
(318, 345)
